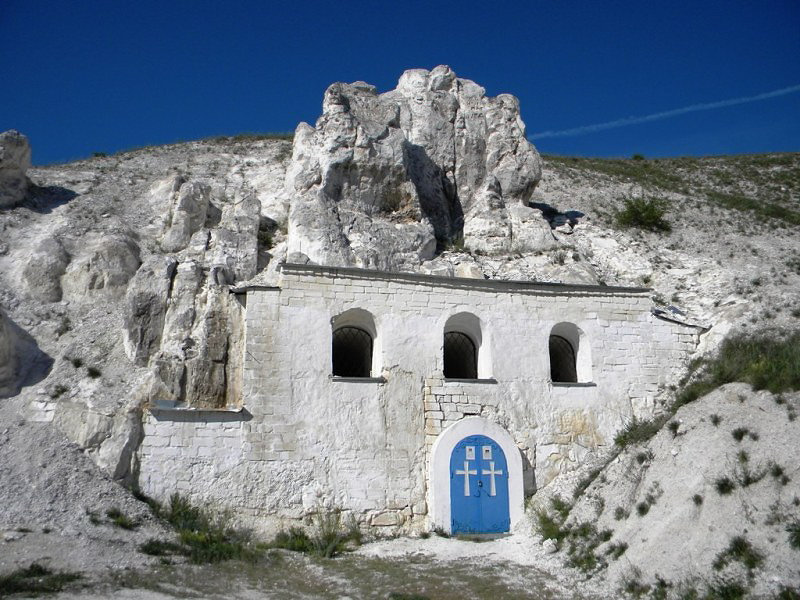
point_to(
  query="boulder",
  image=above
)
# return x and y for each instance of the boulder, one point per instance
(42, 273)
(101, 268)
(15, 160)
(383, 180)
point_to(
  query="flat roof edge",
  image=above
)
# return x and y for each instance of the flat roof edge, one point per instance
(509, 284)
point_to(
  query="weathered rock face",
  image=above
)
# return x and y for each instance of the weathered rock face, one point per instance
(184, 205)
(180, 318)
(15, 159)
(101, 269)
(42, 273)
(382, 180)
(146, 303)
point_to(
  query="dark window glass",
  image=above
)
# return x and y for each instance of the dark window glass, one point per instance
(562, 360)
(352, 352)
(460, 357)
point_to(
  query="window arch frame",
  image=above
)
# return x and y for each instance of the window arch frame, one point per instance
(360, 320)
(470, 326)
(578, 343)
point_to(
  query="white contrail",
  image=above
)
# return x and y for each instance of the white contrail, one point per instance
(663, 115)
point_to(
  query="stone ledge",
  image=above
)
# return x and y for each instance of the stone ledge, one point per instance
(339, 379)
(564, 384)
(192, 414)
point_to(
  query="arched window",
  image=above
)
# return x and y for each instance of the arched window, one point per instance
(353, 344)
(465, 350)
(562, 360)
(570, 355)
(460, 356)
(352, 352)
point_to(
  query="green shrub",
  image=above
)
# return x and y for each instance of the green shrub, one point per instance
(724, 486)
(697, 499)
(93, 372)
(35, 579)
(639, 431)
(725, 589)
(739, 433)
(766, 362)
(794, 534)
(155, 547)
(182, 515)
(739, 550)
(328, 538)
(778, 473)
(616, 550)
(561, 507)
(788, 593)
(295, 539)
(586, 482)
(121, 520)
(58, 391)
(550, 528)
(206, 538)
(643, 213)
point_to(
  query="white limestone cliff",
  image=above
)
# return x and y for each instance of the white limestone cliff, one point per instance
(384, 180)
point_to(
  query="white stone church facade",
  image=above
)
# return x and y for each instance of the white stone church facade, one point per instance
(362, 390)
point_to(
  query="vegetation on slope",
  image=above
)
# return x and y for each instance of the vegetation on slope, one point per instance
(760, 184)
(766, 362)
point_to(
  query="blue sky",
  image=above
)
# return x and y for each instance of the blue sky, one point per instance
(80, 77)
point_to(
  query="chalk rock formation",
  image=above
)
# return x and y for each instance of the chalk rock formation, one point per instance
(146, 304)
(383, 179)
(42, 273)
(184, 205)
(180, 318)
(15, 159)
(101, 269)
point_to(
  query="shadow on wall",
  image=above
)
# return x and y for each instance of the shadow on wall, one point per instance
(44, 199)
(438, 197)
(528, 476)
(555, 217)
(26, 364)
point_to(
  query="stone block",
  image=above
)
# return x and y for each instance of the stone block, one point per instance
(387, 519)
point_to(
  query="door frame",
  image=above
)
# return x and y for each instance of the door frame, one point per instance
(439, 469)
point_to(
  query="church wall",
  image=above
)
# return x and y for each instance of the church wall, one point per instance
(305, 440)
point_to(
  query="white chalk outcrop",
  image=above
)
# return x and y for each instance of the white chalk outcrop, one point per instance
(382, 180)
(15, 160)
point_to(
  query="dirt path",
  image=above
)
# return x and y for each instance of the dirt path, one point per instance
(293, 576)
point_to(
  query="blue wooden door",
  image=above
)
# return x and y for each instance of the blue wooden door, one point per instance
(479, 487)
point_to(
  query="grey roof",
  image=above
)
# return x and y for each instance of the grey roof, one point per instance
(504, 285)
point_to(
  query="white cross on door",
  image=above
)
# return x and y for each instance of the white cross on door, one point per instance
(491, 473)
(466, 473)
